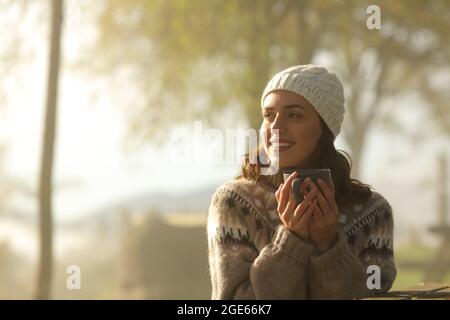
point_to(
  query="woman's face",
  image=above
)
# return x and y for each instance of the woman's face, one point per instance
(298, 125)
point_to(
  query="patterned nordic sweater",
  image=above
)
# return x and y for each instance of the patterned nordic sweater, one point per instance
(253, 256)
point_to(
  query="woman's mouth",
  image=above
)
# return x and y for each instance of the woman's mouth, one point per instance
(281, 145)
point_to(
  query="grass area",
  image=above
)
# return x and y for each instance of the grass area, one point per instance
(414, 253)
(409, 277)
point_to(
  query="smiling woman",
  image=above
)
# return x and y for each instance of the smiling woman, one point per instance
(262, 242)
(300, 138)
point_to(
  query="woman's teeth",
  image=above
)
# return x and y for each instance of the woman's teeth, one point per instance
(282, 145)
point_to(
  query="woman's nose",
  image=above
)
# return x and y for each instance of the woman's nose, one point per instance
(278, 123)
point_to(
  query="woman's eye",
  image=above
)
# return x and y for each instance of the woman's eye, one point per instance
(295, 115)
(268, 115)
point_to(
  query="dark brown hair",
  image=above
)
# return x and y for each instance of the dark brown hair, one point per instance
(347, 190)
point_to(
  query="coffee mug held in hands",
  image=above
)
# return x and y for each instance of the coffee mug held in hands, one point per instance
(314, 174)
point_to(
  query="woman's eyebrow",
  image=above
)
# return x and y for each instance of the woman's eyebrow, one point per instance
(289, 106)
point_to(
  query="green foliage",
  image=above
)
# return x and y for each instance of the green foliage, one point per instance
(191, 59)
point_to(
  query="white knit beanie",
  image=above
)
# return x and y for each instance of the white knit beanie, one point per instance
(314, 83)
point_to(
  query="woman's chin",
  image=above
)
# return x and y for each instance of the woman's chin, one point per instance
(285, 163)
(284, 160)
(290, 162)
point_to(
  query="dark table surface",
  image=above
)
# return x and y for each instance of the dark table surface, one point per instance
(422, 291)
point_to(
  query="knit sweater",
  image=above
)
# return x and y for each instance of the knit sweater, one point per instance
(252, 255)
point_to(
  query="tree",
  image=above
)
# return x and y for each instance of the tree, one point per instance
(192, 59)
(386, 64)
(45, 187)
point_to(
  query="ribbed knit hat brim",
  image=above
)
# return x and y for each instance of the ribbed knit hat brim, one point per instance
(321, 88)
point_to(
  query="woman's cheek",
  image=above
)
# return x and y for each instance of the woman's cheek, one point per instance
(266, 133)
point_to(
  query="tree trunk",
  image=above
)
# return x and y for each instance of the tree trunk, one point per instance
(356, 152)
(45, 184)
(356, 137)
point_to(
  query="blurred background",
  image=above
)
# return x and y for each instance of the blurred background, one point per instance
(94, 95)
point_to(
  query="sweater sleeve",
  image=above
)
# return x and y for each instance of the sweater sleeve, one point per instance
(237, 269)
(343, 272)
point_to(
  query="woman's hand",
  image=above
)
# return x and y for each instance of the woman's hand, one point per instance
(295, 217)
(322, 226)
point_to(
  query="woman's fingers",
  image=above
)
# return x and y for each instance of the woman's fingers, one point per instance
(322, 201)
(284, 192)
(301, 208)
(319, 212)
(277, 193)
(306, 217)
(311, 195)
(318, 215)
(305, 187)
(328, 194)
(289, 211)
